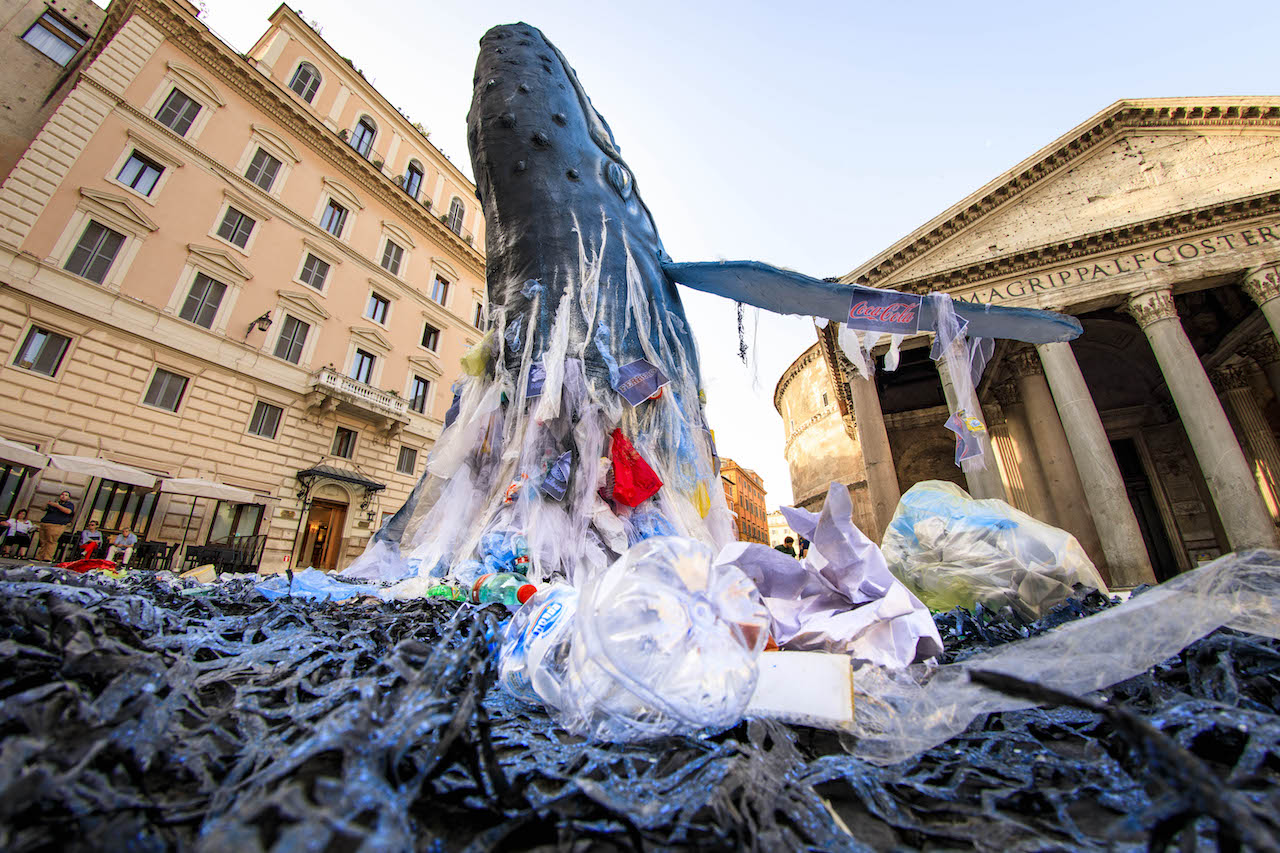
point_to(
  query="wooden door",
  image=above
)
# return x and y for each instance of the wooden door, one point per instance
(321, 543)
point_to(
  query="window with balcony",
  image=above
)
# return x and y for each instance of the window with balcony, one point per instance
(362, 366)
(392, 255)
(408, 460)
(362, 136)
(418, 392)
(334, 218)
(266, 420)
(55, 38)
(378, 307)
(430, 337)
(306, 81)
(178, 112)
(42, 351)
(314, 272)
(202, 302)
(344, 443)
(293, 336)
(166, 390)
(236, 227)
(263, 170)
(440, 290)
(140, 173)
(456, 212)
(95, 252)
(413, 180)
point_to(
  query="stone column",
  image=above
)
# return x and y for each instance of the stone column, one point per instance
(1104, 491)
(877, 457)
(1071, 509)
(1253, 431)
(984, 482)
(1263, 287)
(1266, 352)
(1023, 472)
(1245, 519)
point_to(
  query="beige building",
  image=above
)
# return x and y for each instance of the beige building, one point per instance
(744, 492)
(779, 530)
(247, 268)
(1153, 437)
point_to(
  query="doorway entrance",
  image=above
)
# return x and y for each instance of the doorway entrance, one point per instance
(1142, 497)
(322, 540)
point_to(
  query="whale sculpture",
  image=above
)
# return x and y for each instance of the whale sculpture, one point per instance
(548, 442)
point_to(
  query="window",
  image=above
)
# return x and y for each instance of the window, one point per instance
(440, 290)
(378, 306)
(344, 443)
(333, 218)
(262, 171)
(418, 395)
(55, 38)
(177, 112)
(94, 253)
(202, 301)
(236, 227)
(266, 420)
(456, 212)
(293, 335)
(140, 173)
(314, 272)
(362, 366)
(413, 179)
(116, 505)
(408, 460)
(479, 315)
(392, 255)
(362, 136)
(430, 337)
(12, 476)
(166, 390)
(232, 519)
(42, 351)
(306, 80)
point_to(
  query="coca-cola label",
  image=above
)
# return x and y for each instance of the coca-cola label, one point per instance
(885, 311)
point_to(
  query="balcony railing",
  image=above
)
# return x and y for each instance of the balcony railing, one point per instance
(333, 384)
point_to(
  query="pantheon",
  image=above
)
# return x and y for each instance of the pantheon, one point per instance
(1152, 437)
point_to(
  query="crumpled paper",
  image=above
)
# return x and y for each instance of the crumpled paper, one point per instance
(841, 597)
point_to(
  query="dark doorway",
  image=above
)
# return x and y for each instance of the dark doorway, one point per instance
(1143, 498)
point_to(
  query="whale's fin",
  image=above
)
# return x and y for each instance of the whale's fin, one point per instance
(786, 292)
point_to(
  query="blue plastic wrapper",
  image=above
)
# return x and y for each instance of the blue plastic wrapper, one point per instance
(557, 480)
(314, 584)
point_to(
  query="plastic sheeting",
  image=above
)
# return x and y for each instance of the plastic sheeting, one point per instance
(954, 550)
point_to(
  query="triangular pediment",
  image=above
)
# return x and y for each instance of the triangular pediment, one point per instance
(302, 304)
(371, 337)
(121, 207)
(1132, 163)
(427, 364)
(220, 261)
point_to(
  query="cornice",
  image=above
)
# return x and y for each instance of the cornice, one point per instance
(829, 409)
(1066, 150)
(263, 93)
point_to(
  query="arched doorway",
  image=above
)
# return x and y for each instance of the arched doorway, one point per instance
(323, 532)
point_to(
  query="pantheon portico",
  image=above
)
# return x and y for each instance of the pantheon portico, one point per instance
(1153, 437)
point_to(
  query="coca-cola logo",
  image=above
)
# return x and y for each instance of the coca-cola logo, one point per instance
(901, 313)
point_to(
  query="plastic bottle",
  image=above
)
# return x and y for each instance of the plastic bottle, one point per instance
(503, 587)
(448, 591)
(664, 641)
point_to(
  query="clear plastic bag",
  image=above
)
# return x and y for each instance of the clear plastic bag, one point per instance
(953, 550)
(663, 642)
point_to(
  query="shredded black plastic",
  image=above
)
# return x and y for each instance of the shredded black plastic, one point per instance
(135, 717)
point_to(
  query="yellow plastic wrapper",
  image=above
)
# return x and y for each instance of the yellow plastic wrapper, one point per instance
(701, 499)
(476, 360)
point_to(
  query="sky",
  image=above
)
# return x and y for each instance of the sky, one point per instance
(807, 135)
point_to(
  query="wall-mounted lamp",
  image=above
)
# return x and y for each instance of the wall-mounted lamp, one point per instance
(263, 323)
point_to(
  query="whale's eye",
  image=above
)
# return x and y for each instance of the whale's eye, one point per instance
(619, 179)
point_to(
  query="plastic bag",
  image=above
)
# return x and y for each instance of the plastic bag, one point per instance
(311, 583)
(952, 550)
(663, 642)
(633, 480)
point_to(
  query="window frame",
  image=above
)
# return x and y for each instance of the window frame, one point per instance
(264, 406)
(375, 301)
(457, 215)
(366, 123)
(253, 163)
(330, 204)
(316, 78)
(413, 463)
(412, 393)
(427, 326)
(177, 90)
(438, 278)
(361, 357)
(397, 257)
(201, 303)
(24, 342)
(279, 338)
(352, 441)
(224, 217)
(147, 160)
(302, 276)
(64, 28)
(115, 254)
(410, 167)
(193, 85)
(156, 370)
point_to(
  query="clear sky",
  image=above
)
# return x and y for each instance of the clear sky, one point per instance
(808, 135)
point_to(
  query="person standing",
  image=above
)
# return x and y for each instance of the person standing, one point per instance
(60, 513)
(17, 533)
(122, 541)
(787, 547)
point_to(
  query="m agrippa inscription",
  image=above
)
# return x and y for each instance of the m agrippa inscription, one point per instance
(1101, 269)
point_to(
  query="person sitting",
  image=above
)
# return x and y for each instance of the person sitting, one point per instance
(787, 547)
(90, 539)
(122, 542)
(17, 533)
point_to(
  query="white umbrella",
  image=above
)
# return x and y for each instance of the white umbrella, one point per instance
(198, 487)
(104, 468)
(11, 451)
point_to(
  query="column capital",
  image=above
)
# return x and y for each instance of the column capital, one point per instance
(1024, 361)
(1151, 306)
(1263, 349)
(1006, 394)
(1229, 378)
(1262, 284)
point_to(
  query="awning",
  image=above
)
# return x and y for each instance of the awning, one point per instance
(106, 469)
(202, 488)
(11, 451)
(341, 475)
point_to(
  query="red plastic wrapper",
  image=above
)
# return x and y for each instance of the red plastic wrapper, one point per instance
(633, 480)
(89, 565)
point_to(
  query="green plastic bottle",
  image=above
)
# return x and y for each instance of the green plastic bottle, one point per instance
(449, 592)
(507, 588)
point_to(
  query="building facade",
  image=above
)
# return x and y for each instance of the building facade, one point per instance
(246, 268)
(744, 492)
(779, 530)
(1152, 437)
